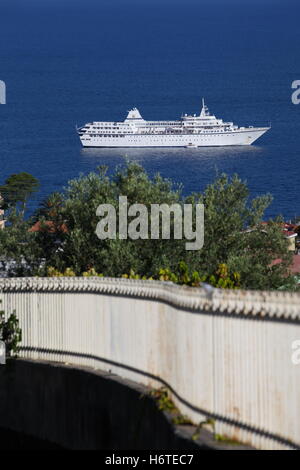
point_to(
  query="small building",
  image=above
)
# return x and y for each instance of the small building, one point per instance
(49, 227)
(291, 238)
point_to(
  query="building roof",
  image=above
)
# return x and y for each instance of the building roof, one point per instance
(288, 234)
(48, 226)
(295, 266)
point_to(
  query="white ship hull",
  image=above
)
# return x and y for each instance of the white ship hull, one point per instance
(231, 138)
(191, 131)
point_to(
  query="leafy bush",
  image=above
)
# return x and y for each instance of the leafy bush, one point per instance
(221, 279)
(235, 240)
(10, 333)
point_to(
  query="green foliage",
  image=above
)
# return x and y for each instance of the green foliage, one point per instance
(238, 251)
(226, 440)
(208, 423)
(221, 279)
(20, 254)
(17, 190)
(81, 249)
(68, 272)
(163, 399)
(91, 272)
(53, 272)
(165, 403)
(10, 333)
(292, 283)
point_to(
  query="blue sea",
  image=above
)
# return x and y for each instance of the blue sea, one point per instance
(69, 62)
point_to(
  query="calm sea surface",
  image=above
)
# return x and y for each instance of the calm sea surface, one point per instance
(71, 63)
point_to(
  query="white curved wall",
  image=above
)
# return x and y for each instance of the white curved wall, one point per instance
(227, 354)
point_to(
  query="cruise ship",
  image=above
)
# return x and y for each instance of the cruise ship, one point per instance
(203, 130)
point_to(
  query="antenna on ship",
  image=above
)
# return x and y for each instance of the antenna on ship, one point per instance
(203, 110)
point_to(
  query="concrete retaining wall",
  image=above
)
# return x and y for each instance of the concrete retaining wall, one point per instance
(49, 406)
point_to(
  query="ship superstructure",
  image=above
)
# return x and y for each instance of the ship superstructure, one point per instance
(203, 130)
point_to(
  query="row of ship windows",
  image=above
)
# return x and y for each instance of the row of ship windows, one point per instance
(126, 129)
(107, 135)
(125, 126)
(161, 124)
(105, 132)
(144, 134)
(105, 127)
(175, 130)
(134, 137)
(154, 124)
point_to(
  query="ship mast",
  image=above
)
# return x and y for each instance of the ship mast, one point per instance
(203, 110)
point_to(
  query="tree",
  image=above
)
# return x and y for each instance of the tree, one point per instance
(17, 190)
(20, 254)
(82, 248)
(10, 332)
(233, 232)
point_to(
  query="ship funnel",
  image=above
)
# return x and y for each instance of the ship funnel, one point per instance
(133, 115)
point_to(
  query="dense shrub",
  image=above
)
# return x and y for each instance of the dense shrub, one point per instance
(235, 241)
(10, 333)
